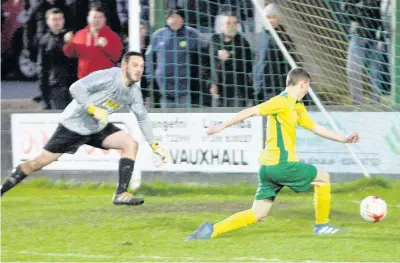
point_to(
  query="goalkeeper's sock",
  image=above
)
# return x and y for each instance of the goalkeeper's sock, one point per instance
(322, 203)
(15, 178)
(236, 221)
(125, 174)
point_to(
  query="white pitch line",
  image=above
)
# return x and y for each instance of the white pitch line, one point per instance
(237, 259)
(57, 254)
(25, 252)
(89, 256)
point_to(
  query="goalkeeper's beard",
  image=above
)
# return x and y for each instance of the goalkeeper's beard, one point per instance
(131, 78)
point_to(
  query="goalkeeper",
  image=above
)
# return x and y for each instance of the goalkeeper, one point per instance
(279, 165)
(85, 121)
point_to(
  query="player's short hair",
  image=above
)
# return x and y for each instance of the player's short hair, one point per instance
(53, 11)
(297, 74)
(129, 54)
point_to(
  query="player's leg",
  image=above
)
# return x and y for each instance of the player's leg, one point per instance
(305, 175)
(112, 137)
(322, 197)
(322, 205)
(261, 208)
(258, 212)
(262, 204)
(300, 177)
(62, 141)
(236, 221)
(27, 168)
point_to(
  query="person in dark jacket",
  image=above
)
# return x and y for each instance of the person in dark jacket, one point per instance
(230, 66)
(201, 14)
(57, 72)
(176, 48)
(366, 48)
(147, 93)
(35, 22)
(272, 67)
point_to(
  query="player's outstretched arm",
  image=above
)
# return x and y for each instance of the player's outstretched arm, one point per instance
(240, 116)
(145, 125)
(326, 133)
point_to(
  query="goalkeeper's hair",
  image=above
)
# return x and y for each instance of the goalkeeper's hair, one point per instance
(296, 75)
(129, 54)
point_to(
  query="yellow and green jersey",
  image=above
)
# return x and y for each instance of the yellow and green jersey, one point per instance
(283, 113)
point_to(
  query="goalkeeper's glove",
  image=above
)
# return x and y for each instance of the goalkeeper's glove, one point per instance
(159, 150)
(98, 113)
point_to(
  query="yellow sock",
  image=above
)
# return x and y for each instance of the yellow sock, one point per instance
(235, 221)
(322, 203)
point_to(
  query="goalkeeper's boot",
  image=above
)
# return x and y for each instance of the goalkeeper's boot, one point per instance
(126, 198)
(327, 229)
(203, 232)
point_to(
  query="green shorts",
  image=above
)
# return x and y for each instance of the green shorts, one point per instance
(296, 175)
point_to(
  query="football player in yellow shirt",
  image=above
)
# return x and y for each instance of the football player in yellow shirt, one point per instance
(279, 165)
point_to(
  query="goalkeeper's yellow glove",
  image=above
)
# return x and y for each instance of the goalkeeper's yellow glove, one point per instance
(98, 113)
(159, 150)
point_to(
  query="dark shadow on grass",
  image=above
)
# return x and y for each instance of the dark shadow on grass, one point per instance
(159, 188)
(356, 236)
(310, 214)
(254, 233)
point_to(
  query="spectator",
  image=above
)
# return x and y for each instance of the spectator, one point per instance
(56, 72)
(81, 8)
(202, 21)
(110, 8)
(150, 91)
(35, 22)
(123, 13)
(176, 48)
(205, 19)
(366, 48)
(144, 43)
(231, 65)
(145, 11)
(386, 12)
(96, 46)
(271, 67)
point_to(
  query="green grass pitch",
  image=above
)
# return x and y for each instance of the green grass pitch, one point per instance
(47, 221)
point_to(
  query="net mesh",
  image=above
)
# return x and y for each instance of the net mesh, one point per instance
(199, 65)
(344, 45)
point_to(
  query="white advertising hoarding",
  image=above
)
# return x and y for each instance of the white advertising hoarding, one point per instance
(236, 149)
(30, 133)
(190, 149)
(378, 148)
(183, 135)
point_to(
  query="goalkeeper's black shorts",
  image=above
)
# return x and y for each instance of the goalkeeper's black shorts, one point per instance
(64, 140)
